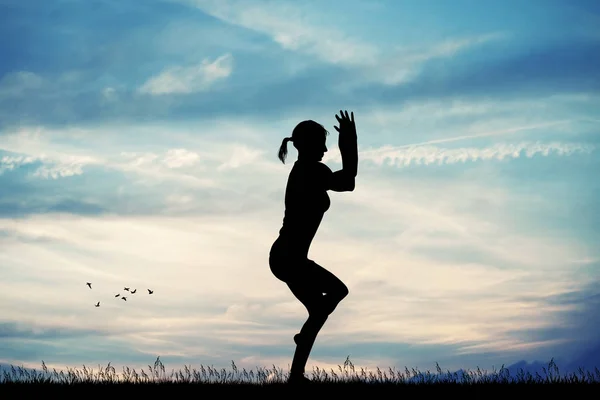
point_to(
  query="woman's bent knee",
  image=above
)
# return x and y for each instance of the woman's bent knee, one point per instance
(344, 291)
(341, 292)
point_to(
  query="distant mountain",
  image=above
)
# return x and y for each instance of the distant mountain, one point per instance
(587, 360)
(530, 367)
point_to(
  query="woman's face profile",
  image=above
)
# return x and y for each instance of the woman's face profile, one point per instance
(315, 149)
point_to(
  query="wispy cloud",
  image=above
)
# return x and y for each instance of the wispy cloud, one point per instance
(427, 155)
(51, 168)
(32, 145)
(300, 29)
(293, 28)
(172, 158)
(178, 158)
(241, 155)
(62, 170)
(195, 78)
(18, 83)
(9, 163)
(402, 63)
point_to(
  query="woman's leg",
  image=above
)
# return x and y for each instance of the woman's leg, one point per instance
(309, 283)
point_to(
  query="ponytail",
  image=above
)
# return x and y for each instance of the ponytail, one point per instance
(283, 149)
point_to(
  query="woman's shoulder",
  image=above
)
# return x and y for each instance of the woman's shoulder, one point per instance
(319, 174)
(316, 167)
(314, 171)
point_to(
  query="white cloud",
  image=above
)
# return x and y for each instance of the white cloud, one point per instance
(51, 168)
(427, 155)
(9, 163)
(161, 166)
(292, 28)
(61, 170)
(299, 28)
(152, 167)
(139, 159)
(241, 155)
(401, 64)
(177, 158)
(195, 78)
(36, 144)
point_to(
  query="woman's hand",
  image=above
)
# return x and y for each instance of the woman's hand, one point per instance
(347, 133)
(347, 125)
(347, 142)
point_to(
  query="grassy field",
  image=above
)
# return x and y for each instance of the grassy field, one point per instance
(346, 380)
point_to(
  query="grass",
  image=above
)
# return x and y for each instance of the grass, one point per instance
(346, 378)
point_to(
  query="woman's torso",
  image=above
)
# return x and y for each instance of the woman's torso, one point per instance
(305, 204)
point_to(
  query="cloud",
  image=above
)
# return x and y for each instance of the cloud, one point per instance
(292, 27)
(35, 144)
(177, 158)
(403, 64)
(427, 155)
(335, 85)
(242, 155)
(18, 83)
(195, 78)
(299, 29)
(50, 168)
(62, 170)
(575, 324)
(545, 69)
(139, 159)
(165, 167)
(9, 163)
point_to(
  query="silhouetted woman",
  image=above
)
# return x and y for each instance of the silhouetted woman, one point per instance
(306, 201)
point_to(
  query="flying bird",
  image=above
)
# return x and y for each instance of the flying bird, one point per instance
(126, 289)
(89, 284)
(117, 295)
(124, 298)
(150, 291)
(133, 291)
(98, 304)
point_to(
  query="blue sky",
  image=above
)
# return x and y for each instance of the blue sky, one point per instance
(138, 147)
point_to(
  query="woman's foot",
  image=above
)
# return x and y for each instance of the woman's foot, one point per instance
(298, 379)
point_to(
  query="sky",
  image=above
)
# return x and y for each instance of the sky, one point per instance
(138, 148)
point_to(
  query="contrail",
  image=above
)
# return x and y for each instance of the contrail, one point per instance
(493, 133)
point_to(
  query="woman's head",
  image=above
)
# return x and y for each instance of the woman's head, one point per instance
(309, 139)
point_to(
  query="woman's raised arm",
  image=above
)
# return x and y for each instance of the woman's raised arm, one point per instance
(348, 143)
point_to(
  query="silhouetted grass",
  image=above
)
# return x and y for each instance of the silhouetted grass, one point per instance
(346, 378)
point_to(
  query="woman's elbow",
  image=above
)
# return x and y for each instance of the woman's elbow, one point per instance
(351, 184)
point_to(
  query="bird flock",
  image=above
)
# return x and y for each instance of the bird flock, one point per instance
(89, 284)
